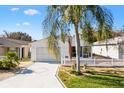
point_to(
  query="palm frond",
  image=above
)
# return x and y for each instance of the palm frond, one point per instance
(53, 46)
(61, 18)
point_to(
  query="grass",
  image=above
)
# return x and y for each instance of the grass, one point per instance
(96, 80)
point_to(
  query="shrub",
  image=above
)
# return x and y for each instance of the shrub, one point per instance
(4, 64)
(12, 58)
(11, 61)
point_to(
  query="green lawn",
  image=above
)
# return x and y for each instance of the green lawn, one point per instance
(91, 81)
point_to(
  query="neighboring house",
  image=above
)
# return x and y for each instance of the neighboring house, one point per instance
(112, 48)
(39, 50)
(22, 48)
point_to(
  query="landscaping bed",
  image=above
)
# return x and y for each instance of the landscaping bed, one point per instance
(92, 77)
(10, 65)
(4, 74)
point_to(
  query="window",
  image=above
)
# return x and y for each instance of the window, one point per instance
(22, 52)
(86, 51)
(74, 52)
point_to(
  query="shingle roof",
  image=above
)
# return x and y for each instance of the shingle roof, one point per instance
(12, 43)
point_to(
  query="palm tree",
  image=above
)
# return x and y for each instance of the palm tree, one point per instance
(61, 18)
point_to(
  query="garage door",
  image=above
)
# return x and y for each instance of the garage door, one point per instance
(42, 54)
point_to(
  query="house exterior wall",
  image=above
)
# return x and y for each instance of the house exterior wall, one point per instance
(65, 47)
(2, 51)
(26, 51)
(34, 45)
(111, 51)
(121, 51)
(12, 49)
(33, 53)
(64, 50)
(17, 50)
(39, 51)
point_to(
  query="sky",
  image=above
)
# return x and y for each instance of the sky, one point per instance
(22, 18)
(29, 18)
(118, 15)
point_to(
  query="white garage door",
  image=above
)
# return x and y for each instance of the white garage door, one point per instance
(42, 54)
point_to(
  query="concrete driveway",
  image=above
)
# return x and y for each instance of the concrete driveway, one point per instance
(39, 75)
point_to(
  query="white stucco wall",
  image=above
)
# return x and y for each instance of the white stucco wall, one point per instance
(39, 51)
(65, 47)
(33, 53)
(121, 51)
(112, 51)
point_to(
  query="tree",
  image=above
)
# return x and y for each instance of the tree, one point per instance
(91, 35)
(61, 18)
(17, 36)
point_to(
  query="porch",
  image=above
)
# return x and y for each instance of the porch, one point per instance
(20, 51)
(22, 48)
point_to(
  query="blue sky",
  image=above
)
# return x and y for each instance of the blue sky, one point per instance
(29, 18)
(118, 15)
(22, 18)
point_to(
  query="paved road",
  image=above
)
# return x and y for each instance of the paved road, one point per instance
(39, 75)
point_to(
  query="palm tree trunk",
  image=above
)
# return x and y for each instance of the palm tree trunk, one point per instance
(77, 44)
(70, 48)
(70, 53)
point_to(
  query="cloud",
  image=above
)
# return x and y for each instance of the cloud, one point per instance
(18, 24)
(14, 9)
(23, 24)
(26, 24)
(31, 12)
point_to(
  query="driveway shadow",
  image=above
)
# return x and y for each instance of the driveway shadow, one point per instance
(49, 62)
(25, 71)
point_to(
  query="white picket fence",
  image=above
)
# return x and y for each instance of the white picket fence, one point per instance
(94, 62)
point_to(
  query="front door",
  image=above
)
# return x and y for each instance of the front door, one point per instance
(22, 52)
(74, 51)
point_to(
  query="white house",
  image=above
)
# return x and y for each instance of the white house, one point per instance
(39, 50)
(113, 48)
